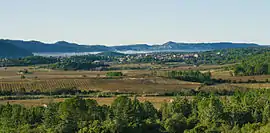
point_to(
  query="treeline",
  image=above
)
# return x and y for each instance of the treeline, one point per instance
(193, 76)
(23, 93)
(243, 112)
(28, 61)
(256, 65)
(201, 77)
(85, 62)
(56, 91)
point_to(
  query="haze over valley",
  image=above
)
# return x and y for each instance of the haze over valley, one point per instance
(63, 48)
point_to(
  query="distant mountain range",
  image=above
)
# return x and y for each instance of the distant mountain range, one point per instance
(10, 50)
(63, 46)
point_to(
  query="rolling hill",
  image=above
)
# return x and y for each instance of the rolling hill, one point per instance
(8, 50)
(202, 46)
(63, 46)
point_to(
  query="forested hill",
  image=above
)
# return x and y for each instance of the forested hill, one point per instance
(10, 51)
(206, 46)
(62, 46)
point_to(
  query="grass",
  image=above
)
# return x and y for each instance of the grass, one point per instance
(224, 74)
(156, 101)
(254, 85)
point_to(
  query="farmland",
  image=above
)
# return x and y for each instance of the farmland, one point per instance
(164, 94)
(140, 82)
(133, 81)
(37, 84)
(140, 78)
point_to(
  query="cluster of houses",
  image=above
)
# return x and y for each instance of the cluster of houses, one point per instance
(158, 56)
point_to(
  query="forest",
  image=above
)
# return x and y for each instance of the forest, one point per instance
(54, 62)
(256, 65)
(243, 112)
(227, 56)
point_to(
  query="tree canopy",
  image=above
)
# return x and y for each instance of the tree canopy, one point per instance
(256, 65)
(242, 112)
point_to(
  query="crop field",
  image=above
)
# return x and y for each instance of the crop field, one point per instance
(134, 81)
(138, 81)
(100, 84)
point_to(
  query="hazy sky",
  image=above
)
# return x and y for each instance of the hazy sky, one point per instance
(113, 22)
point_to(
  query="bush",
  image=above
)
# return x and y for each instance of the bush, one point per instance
(23, 77)
(114, 74)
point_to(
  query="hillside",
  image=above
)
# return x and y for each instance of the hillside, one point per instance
(62, 46)
(202, 46)
(10, 51)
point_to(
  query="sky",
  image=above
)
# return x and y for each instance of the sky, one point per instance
(114, 22)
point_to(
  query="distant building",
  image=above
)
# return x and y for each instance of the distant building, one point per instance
(96, 61)
(99, 62)
(196, 55)
(45, 105)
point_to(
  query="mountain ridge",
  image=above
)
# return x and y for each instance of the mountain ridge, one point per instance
(8, 50)
(64, 46)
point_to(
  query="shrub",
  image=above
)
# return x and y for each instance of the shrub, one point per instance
(114, 74)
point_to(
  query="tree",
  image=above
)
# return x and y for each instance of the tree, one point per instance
(51, 115)
(176, 124)
(210, 110)
(72, 112)
(181, 105)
